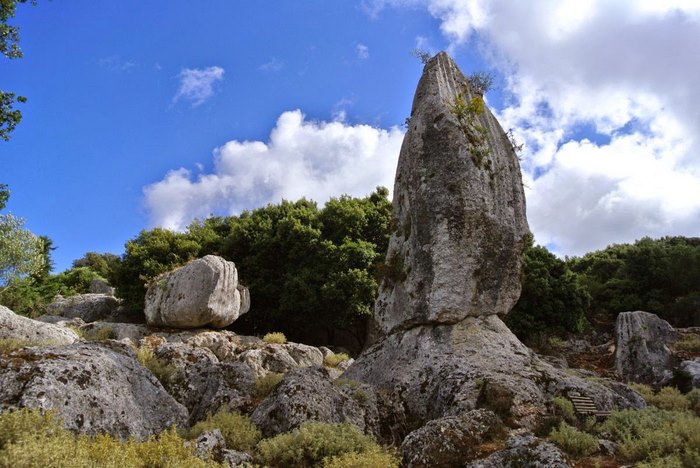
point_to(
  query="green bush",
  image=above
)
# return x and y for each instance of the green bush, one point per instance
(653, 433)
(310, 444)
(669, 398)
(238, 430)
(694, 400)
(266, 385)
(644, 390)
(573, 441)
(564, 408)
(275, 338)
(30, 439)
(368, 459)
(333, 359)
(158, 367)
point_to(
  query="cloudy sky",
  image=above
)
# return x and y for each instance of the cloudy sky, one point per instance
(145, 114)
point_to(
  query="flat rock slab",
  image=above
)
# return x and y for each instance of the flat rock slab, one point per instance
(94, 387)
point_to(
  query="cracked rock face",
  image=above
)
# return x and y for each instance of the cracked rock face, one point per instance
(458, 213)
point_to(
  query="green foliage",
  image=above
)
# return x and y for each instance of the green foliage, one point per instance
(367, 459)
(481, 81)
(102, 334)
(30, 439)
(238, 430)
(652, 434)
(552, 301)
(266, 385)
(4, 195)
(693, 397)
(275, 337)
(573, 441)
(565, 408)
(158, 367)
(333, 359)
(106, 265)
(660, 276)
(688, 343)
(147, 256)
(20, 250)
(310, 444)
(669, 398)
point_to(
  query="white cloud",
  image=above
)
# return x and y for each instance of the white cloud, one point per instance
(627, 69)
(116, 63)
(362, 51)
(273, 65)
(302, 158)
(197, 85)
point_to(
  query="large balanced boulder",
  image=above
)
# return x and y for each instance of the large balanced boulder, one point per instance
(453, 271)
(642, 351)
(93, 387)
(16, 327)
(202, 293)
(458, 210)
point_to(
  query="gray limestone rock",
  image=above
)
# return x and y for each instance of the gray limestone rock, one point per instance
(98, 286)
(307, 394)
(642, 354)
(458, 211)
(20, 328)
(94, 387)
(202, 293)
(524, 451)
(449, 441)
(691, 369)
(87, 307)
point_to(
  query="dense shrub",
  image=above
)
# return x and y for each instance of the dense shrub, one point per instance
(573, 441)
(310, 444)
(667, 398)
(275, 337)
(694, 400)
(368, 459)
(565, 408)
(30, 439)
(238, 431)
(654, 433)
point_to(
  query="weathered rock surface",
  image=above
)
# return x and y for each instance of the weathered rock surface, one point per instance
(459, 212)
(449, 441)
(93, 387)
(202, 293)
(691, 370)
(98, 286)
(452, 270)
(25, 329)
(87, 307)
(307, 394)
(524, 451)
(642, 354)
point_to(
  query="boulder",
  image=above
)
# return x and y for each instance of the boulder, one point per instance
(307, 394)
(524, 450)
(98, 286)
(87, 307)
(202, 293)
(458, 211)
(453, 271)
(642, 351)
(94, 387)
(16, 327)
(449, 441)
(691, 371)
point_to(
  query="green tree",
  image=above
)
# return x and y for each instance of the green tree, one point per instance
(106, 265)
(4, 196)
(20, 250)
(9, 47)
(553, 300)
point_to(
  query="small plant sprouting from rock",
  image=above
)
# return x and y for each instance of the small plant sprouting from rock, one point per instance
(422, 55)
(481, 81)
(514, 143)
(333, 359)
(466, 112)
(158, 367)
(275, 338)
(266, 385)
(101, 334)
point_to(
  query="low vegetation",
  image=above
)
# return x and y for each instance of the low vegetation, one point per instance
(31, 439)
(238, 431)
(7, 345)
(158, 367)
(315, 444)
(574, 442)
(333, 359)
(266, 385)
(275, 338)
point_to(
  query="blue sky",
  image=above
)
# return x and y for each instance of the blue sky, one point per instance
(153, 113)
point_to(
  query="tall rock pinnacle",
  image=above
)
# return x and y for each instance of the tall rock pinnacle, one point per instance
(459, 210)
